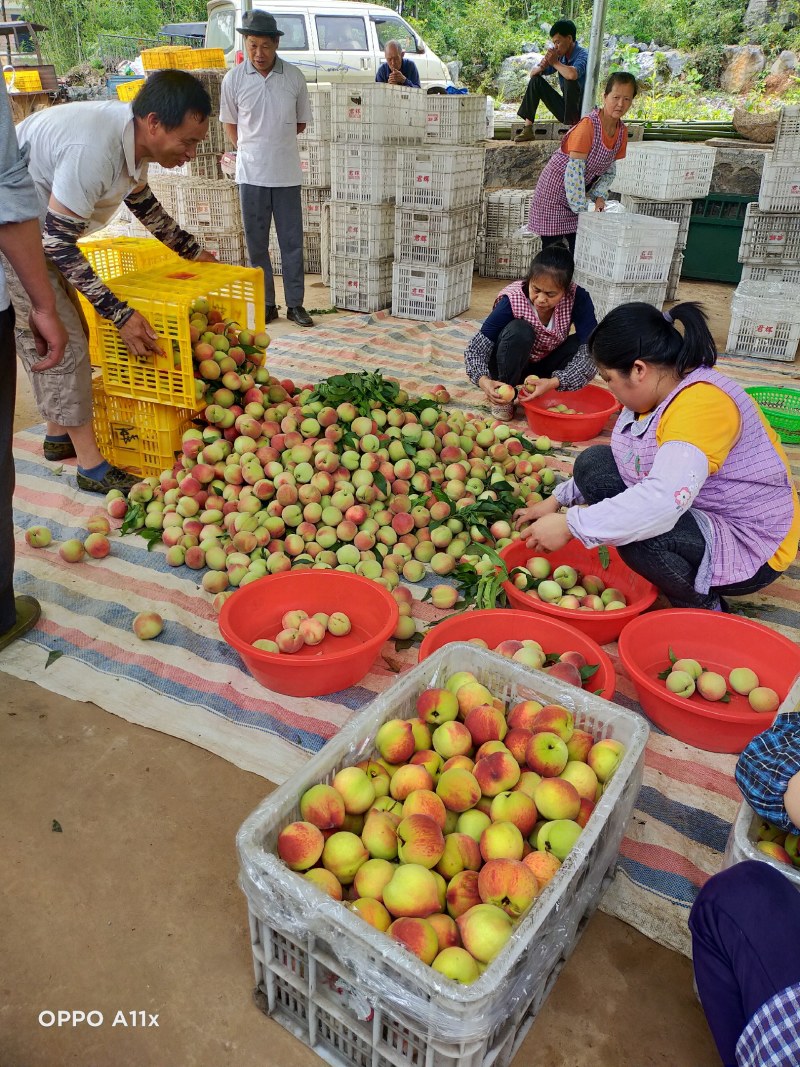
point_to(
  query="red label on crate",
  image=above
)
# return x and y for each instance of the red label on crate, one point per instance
(766, 327)
(313, 209)
(776, 238)
(646, 254)
(689, 175)
(504, 261)
(304, 164)
(352, 283)
(204, 209)
(422, 173)
(182, 276)
(354, 174)
(433, 118)
(420, 238)
(794, 187)
(354, 114)
(418, 290)
(353, 231)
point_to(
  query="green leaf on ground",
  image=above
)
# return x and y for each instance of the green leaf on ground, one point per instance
(52, 656)
(56, 827)
(407, 642)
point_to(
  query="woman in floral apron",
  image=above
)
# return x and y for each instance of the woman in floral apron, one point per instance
(584, 167)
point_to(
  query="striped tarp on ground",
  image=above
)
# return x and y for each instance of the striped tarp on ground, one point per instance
(189, 684)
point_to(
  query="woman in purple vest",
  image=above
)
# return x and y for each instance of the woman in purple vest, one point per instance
(528, 332)
(584, 167)
(695, 489)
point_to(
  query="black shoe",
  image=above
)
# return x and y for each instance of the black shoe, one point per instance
(56, 451)
(28, 613)
(114, 478)
(270, 313)
(300, 316)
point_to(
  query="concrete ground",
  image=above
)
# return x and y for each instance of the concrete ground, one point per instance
(133, 906)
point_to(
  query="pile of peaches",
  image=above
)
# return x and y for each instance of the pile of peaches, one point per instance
(445, 838)
(688, 676)
(299, 629)
(565, 587)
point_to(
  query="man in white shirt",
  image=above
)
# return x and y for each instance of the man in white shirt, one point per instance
(264, 105)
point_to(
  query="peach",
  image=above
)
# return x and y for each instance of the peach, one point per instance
(528, 780)
(72, 551)
(379, 836)
(484, 930)
(774, 851)
(446, 930)
(408, 779)
(147, 625)
(505, 393)
(371, 911)
(291, 619)
(472, 695)
(395, 740)
(355, 788)
(517, 808)
(501, 840)
(378, 775)
(579, 745)
(582, 777)
(508, 648)
(413, 891)
(546, 754)
(436, 706)
(461, 853)
(38, 536)
(516, 741)
(420, 841)
(462, 893)
(558, 837)
(443, 597)
(556, 719)
(486, 723)
(764, 699)
(326, 881)
(430, 760)
(263, 644)
(322, 806)
(742, 680)
(473, 822)
(289, 641)
(488, 747)
(465, 762)
(458, 789)
(372, 877)
(455, 681)
(522, 715)
(456, 964)
(605, 757)
(711, 686)
(586, 809)
(543, 864)
(344, 853)
(452, 739)
(680, 683)
(98, 524)
(508, 884)
(417, 935)
(425, 802)
(565, 672)
(556, 798)
(312, 631)
(690, 666)
(497, 773)
(300, 845)
(422, 735)
(353, 822)
(339, 624)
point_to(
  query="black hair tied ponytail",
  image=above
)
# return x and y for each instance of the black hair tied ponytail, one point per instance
(640, 331)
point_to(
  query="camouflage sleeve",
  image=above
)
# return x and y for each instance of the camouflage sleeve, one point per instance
(151, 214)
(60, 241)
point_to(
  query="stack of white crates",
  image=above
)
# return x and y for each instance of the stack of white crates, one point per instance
(504, 249)
(438, 210)
(368, 122)
(679, 211)
(765, 312)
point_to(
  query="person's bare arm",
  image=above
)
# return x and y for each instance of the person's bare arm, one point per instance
(21, 244)
(569, 73)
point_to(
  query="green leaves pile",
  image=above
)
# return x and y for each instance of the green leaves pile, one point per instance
(366, 390)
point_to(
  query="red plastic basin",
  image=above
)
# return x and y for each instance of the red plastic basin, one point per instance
(601, 626)
(595, 404)
(255, 611)
(500, 624)
(719, 643)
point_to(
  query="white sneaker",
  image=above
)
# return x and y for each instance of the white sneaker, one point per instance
(502, 412)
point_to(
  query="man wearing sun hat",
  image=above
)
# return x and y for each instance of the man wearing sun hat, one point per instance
(264, 106)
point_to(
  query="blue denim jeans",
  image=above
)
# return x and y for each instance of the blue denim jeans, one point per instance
(672, 559)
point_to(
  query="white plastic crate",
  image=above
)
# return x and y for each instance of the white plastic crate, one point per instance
(204, 165)
(625, 247)
(442, 177)
(507, 257)
(435, 238)
(312, 200)
(315, 163)
(505, 211)
(765, 321)
(679, 211)
(209, 205)
(787, 136)
(431, 293)
(375, 113)
(775, 275)
(361, 284)
(769, 238)
(362, 231)
(228, 248)
(780, 186)
(607, 295)
(325, 243)
(122, 224)
(165, 189)
(456, 119)
(674, 276)
(319, 128)
(742, 845)
(363, 173)
(360, 1000)
(665, 170)
(312, 257)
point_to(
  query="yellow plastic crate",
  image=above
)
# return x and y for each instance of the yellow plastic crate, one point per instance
(25, 81)
(164, 295)
(110, 257)
(136, 435)
(129, 90)
(178, 58)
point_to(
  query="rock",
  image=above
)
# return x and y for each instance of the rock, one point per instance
(761, 11)
(516, 166)
(454, 69)
(779, 84)
(741, 65)
(676, 61)
(512, 77)
(738, 170)
(785, 63)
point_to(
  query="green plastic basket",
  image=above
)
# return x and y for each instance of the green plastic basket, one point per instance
(781, 408)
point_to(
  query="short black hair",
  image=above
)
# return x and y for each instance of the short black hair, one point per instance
(621, 77)
(555, 260)
(171, 95)
(565, 28)
(638, 331)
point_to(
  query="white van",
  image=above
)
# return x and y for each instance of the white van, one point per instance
(329, 40)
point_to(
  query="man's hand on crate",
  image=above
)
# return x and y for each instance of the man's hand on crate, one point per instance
(139, 335)
(205, 257)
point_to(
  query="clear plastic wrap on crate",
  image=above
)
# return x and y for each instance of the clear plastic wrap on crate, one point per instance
(315, 163)
(770, 238)
(765, 321)
(312, 199)
(375, 113)
(777, 275)
(362, 231)
(431, 293)
(435, 238)
(361, 284)
(507, 257)
(356, 997)
(319, 128)
(456, 119)
(505, 211)
(441, 177)
(607, 295)
(674, 276)
(625, 247)
(203, 204)
(787, 136)
(679, 211)
(665, 170)
(363, 173)
(780, 186)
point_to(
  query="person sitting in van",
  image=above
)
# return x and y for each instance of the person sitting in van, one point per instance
(397, 70)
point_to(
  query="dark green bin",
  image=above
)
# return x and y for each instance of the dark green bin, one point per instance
(715, 231)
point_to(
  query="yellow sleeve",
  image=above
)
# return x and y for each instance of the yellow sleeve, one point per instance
(703, 416)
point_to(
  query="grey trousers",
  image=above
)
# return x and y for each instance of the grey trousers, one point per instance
(260, 206)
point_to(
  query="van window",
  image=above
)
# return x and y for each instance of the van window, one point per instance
(221, 29)
(294, 37)
(341, 33)
(394, 30)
